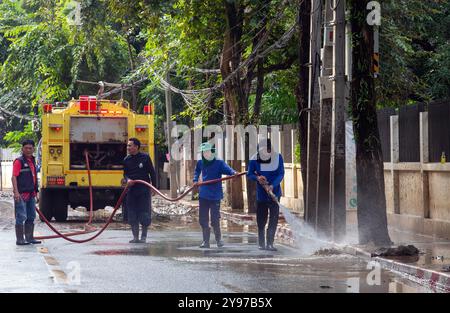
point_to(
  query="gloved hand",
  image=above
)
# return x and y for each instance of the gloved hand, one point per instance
(195, 190)
(262, 180)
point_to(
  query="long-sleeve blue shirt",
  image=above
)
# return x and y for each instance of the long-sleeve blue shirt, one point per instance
(212, 171)
(274, 177)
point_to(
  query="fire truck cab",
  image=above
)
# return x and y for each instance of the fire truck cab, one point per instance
(100, 127)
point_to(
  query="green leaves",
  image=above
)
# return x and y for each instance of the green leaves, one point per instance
(414, 42)
(42, 55)
(13, 138)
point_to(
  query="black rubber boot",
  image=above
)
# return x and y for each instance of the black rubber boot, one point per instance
(206, 234)
(261, 240)
(218, 235)
(135, 231)
(20, 241)
(29, 234)
(270, 240)
(143, 235)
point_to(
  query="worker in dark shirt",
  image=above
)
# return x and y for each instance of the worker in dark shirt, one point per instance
(138, 166)
(267, 168)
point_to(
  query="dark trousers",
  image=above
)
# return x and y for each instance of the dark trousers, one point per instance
(264, 210)
(205, 208)
(138, 207)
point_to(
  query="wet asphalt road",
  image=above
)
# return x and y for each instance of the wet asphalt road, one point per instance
(172, 262)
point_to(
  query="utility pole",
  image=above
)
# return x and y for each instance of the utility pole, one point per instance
(314, 115)
(337, 165)
(326, 99)
(172, 169)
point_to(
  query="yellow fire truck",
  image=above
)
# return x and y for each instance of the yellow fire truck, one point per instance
(99, 127)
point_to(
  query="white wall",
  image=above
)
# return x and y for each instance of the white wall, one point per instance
(7, 157)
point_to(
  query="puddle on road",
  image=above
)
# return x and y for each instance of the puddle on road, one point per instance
(176, 249)
(283, 270)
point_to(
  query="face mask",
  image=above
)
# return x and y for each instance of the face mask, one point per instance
(207, 162)
(264, 157)
(210, 159)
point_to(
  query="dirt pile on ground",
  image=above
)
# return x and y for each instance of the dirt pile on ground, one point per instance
(166, 208)
(6, 195)
(408, 250)
(327, 252)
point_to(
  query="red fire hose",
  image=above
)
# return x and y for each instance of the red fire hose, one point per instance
(67, 236)
(91, 200)
(88, 227)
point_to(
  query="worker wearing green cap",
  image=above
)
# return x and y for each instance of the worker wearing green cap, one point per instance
(210, 195)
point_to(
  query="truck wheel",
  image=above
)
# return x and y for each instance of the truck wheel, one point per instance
(45, 204)
(60, 203)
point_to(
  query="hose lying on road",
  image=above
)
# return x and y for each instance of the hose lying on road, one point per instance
(67, 236)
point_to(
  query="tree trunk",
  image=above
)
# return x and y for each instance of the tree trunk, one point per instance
(372, 218)
(251, 185)
(235, 101)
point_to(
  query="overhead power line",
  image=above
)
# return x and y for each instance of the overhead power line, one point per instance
(18, 115)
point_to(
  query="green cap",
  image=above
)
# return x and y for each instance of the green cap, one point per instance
(206, 146)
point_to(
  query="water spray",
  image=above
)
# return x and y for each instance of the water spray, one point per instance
(300, 230)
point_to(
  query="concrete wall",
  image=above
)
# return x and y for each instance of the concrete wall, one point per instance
(6, 173)
(7, 156)
(417, 194)
(410, 193)
(439, 183)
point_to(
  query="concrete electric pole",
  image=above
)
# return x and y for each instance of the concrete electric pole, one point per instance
(314, 115)
(326, 99)
(337, 165)
(172, 168)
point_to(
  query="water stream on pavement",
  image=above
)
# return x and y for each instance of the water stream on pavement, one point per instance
(301, 231)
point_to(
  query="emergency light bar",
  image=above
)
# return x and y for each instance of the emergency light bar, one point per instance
(88, 104)
(47, 108)
(148, 109)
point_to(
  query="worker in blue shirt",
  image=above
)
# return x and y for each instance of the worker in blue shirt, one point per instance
(210, 195)
(267, 168)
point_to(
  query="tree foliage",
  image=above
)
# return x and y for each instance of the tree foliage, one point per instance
(415, 49)
(42, 54)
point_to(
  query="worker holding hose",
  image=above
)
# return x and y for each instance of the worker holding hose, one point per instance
(25, 188)
(138, 166)
(267, 168)
(210, 195)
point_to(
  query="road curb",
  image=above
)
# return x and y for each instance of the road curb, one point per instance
(428, 277)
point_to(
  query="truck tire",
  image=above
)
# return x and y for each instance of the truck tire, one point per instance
(60, 203)
(45, 204)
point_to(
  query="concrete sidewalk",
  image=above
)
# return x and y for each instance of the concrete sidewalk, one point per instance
(23, 268)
